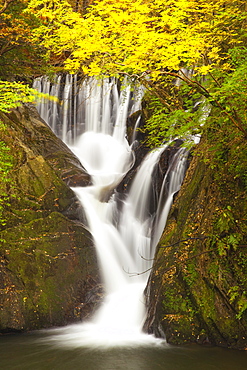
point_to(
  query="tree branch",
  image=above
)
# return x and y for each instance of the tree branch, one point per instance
(5, 5)
(169, 246)
(207, 94)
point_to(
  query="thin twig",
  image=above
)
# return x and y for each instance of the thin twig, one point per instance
(182, 241)
(5, 5)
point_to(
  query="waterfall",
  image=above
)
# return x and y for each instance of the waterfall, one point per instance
(125, 237)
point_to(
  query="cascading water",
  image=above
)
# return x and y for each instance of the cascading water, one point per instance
(125, 240)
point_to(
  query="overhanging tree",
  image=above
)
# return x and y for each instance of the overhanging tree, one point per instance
(156, 43)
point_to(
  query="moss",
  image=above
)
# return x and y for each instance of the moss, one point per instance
(47, 262)
(179, 318)
(49, 267)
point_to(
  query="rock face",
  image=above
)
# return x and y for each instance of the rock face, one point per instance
(48, 266)
(197, 291)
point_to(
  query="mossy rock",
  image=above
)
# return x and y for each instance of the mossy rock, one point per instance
(26, 130)
(48, 262)
(43, 168)
(198, 285)
(47, 269)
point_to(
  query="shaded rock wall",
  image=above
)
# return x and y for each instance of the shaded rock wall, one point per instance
(197, 290)
(48, 263)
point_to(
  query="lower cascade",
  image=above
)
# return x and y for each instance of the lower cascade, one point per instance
(125, 229)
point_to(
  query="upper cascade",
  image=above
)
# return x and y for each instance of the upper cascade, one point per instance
(100, 106)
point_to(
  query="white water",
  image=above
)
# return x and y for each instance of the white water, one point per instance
(125, 240)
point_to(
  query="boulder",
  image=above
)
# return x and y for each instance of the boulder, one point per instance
(47, 257)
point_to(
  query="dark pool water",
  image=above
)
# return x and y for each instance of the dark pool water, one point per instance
(26, 352)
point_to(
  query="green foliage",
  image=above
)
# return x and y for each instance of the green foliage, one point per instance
(225, 220)
(224, 91)
(230, 241)
(238, 297)
(173, 119)
(233, 293)
(13, 94)
(227, 234)
(242, 305)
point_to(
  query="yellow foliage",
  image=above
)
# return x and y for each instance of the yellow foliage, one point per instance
(137, 37)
